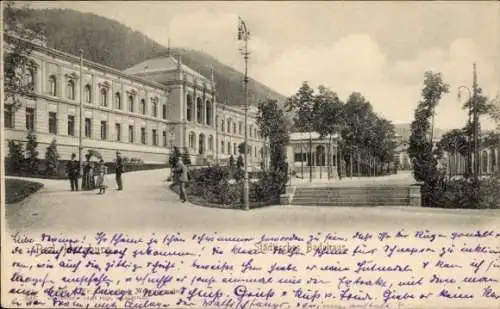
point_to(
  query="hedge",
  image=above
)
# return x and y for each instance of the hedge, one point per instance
(222, 187)
(17, 190)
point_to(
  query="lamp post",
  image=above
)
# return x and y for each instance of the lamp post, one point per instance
(244, 35)
(80, 135)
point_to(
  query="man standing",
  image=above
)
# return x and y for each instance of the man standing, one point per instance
(181, 172)
(73, 169)
(119, 171)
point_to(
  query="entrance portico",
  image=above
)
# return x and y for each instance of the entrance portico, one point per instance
(321, 157)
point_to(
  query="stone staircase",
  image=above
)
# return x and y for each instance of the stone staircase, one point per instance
(385, 195)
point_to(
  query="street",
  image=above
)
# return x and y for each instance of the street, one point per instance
(147, 204)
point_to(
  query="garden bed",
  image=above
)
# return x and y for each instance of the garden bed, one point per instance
(17, 190)
(214, 187)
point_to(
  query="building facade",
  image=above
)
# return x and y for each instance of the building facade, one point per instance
(143, 112)
(302, 161)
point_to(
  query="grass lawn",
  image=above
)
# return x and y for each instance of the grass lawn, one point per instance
(17, 190)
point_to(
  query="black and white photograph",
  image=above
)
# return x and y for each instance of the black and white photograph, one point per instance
(308, 126)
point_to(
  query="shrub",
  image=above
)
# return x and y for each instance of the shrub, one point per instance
(31, 154)
(186, 158)
(15, 159)
(52, 158)
(17, 190)
(172, 159)
(240, 162)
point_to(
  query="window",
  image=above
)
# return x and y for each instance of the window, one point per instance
(240, 128)
(222, 125)
(118, 131)
(235, 149)
(222, 146)
(88, 94)
(131, 103)
(130, 134)
(8, 114)
(154, 107)
(250, 131)
(164, 111)
(210, 143)
(118, 101)
(52, 123)
(228, 148)
(104, 130)
(70, 89)
(234, 127)
(191, 140)
(209, 112)
(255, 132)
(155, 137)
(30, 119)
(31, 77)
(199, 110)
(88, 127)
(71, 125)
(143, 107)
(104, 97)
(164, 138)
(52, 86)
(189, 108)
(143, 136)
(228, 126)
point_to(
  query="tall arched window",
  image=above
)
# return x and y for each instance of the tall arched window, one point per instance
(70, 89)
(209, 112)
(192, 140)
(87, 92)
(234, 127)
(240, 128)
(118, 101)
(201, 144)
(250, 131)
(143, 106)
(228, 125)
(104, 97)
(199, 110)
(52, 85)
(211, 143)
(222, 146)
(222, 125)
(189, 108)
(154, 107)
(131, 103)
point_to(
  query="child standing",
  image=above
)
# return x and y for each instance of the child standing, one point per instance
(102, 171)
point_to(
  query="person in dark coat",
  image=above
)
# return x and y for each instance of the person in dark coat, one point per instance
(182, 178)
(73, 171)
(119, 171)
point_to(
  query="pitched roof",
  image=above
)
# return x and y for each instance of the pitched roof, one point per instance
(160, 64)
(295, 136)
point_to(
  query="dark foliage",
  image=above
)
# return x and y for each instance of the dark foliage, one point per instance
(174, 156)
(31, 153)
(15, 159)
(51, 158)
(17, 190)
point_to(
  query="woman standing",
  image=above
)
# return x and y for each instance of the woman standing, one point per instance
(88, 174)
(102, 171)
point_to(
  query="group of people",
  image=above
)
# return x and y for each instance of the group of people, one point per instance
(93, 175)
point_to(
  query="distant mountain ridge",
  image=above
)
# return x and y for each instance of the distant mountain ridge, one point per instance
(113, 44)
(404, 129)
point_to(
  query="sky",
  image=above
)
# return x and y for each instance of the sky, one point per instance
(380, 49)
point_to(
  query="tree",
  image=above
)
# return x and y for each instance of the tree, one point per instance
(31, 153)
(231, 161)
(15, 159)
(303, 105)
(186, 158)
(266, 122)
(242, 148)
(455, 143)
(174, 156)
(358, 128)
(18, 65)
(239, 162)
(52, 158)
(329, 117)
(421, 139)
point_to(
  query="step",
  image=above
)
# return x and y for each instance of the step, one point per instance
(349, 204)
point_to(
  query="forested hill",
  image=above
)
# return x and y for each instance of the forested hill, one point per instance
(113, 44)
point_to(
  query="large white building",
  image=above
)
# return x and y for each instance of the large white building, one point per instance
(142, 112)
